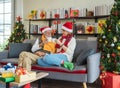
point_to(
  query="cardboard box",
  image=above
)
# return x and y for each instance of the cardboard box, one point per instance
(111, 80)
(26, 77)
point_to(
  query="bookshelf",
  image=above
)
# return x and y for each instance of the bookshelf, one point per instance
(50, 20)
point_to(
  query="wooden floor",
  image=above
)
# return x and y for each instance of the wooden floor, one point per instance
(47, 83)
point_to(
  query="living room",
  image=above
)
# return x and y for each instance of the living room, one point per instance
(92, 15)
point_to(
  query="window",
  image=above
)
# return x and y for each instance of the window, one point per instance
(6, 20)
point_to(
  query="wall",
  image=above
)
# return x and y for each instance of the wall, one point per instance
(18, 8)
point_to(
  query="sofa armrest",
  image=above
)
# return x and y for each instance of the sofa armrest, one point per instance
(4, 54)
(93, 70)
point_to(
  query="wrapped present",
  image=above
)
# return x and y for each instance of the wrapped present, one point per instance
(7, 74)
(22, 75)
(110, 80)
(26, 77)
(8, 79)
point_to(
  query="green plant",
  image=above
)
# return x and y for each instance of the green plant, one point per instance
(3, 46)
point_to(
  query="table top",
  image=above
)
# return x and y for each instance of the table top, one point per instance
(39, 75)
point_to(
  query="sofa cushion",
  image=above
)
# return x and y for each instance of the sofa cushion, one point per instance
(29, 41)
(16, 48)
(77, 70)
(81, 59)
(82, 44)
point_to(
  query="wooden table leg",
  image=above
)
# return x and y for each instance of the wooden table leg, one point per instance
(7, 85)
(39, 83)
(84, 85)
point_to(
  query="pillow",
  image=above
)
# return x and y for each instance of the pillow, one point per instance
(16, 48)
(81, 59)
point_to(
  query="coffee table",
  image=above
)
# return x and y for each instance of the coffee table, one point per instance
(39, 77)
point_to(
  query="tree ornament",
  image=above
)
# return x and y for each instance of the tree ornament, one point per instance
(109, 61)
(106, 41)
(104, 37)
(100, 40)
(108, 55)
(113, 55)
(119, 23)
(115, 39)
(109, 30)
(17, 27)
(116, 13)
(118, 53)
(118, 47)
(103, 56)
(112, 44)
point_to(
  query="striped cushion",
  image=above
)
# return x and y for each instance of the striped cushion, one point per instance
(77, 70)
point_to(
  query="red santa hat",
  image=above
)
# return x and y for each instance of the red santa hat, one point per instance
(43, 29)
(68, 26)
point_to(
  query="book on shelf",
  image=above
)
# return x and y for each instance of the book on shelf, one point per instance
(48, 13)
(80, 27)
(34, 29)
(102, 10)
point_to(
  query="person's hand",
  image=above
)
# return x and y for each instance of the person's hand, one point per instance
(40, 53)
(45, 41)
(41, 44)
(58, 42)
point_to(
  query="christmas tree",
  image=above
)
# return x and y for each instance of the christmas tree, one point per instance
(19, 33)
(109, 40)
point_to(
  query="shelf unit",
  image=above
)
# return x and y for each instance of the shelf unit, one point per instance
(73, 19)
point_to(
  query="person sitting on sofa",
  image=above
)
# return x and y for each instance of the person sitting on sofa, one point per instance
(65, 46)
(46, 42)
(39, 49)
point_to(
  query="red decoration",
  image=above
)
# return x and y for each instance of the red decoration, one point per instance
(90, 29)
(56, 15)
(42, 14)
(18, 18)
(110, 80)
(27, 86)
(113, 55)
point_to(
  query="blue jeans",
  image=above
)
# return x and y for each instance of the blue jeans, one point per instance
(52, 59)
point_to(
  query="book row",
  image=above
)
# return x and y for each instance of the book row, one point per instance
(69, 12)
